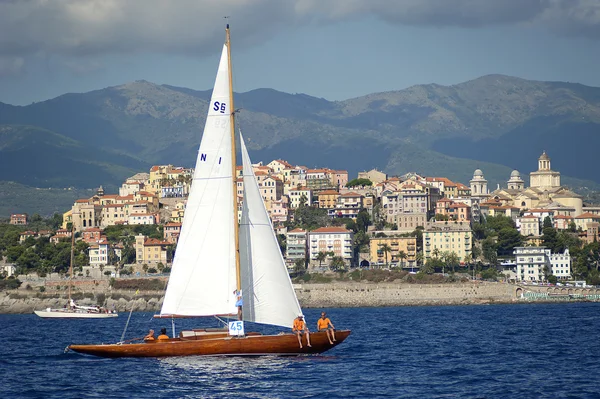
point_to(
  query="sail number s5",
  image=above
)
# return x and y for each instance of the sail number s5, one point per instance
(219, 106)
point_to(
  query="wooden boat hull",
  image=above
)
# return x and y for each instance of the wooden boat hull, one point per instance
(249, 345)
(72, 315)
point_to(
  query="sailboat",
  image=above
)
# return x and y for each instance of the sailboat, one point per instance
(218, 259)
(71, 309)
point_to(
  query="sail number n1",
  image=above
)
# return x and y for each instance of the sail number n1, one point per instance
(217, 106)
(236, 328)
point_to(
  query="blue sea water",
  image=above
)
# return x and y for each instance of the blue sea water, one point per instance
(495, 351)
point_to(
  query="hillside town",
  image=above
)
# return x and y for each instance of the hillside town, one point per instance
(327, 222)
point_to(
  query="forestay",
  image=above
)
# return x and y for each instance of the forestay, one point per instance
(203, 276)
(267, 290)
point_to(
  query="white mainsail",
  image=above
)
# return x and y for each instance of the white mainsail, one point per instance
(267, 290)
(203, 276)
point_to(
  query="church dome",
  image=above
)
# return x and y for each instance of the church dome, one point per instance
(478, 173)
(515, 174)
(544, 156)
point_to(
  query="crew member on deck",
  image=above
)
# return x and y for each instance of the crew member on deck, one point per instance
(149, 336)
(300, 328)
(324, 324)
(163, 335)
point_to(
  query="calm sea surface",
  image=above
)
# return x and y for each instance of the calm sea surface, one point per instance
(497, 351)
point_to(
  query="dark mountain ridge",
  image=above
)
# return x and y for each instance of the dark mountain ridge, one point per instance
(495, 122)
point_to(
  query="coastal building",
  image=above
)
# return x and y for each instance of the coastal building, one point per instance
(451, 210)
(373, 175)
(27, 234)
(591, 234)
(295, 246)
(19, 219)
(318, 179)
(440, 237)
(99, 253)
(393, 250)
(61, 234)
(479, 193)
(328, 199)
(408, 222)
(529, 225)
(347, 206)
(582, 221)
(141, 218)
(544, 189)
(92, 235)
(150, 251)
(334, 241)
(171, 232)
(339, 178)
(536, 263)
(300, 195)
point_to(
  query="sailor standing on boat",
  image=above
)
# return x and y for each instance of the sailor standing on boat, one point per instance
(239, 302)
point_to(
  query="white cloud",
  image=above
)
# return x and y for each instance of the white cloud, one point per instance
(89, 27)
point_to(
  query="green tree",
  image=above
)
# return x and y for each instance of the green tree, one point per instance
(547, 222)
(337, 263)
(160, 267)
(300, 265)
(489, 250)
(321, 256)
(402, 256)
(359, 182)
(550, 238)
(386, 249)
(363, 220)
(508, 238)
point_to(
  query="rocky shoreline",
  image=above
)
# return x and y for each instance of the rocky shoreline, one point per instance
(347, 294)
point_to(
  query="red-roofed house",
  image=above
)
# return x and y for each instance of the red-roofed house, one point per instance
(18, 219)
(150, 251)
(91, 235)
(171, 232)
(582, 220)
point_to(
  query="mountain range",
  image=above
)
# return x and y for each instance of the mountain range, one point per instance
(496, 123)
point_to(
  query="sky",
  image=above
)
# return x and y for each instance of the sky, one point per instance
(335, 49)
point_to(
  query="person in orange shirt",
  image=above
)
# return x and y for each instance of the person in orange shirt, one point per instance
(324, 324)
(300, 328)
(149, 336)
(163, 335)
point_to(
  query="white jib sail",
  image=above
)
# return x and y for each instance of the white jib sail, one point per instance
(267, 290)
(203, 276)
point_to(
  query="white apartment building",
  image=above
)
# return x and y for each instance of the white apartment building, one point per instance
(337, 240)
(296, 195)
(98, 253)
(534, 263)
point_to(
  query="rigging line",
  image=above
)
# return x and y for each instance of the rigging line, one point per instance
(128, 318)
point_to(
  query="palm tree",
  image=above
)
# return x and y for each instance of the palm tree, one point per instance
(386, 249)
(435, 253)
(402, 255)
(419, 258)
(321, 256)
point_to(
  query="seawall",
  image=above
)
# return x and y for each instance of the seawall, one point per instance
(347, 294)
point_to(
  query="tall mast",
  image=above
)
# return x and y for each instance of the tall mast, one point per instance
(236, 227)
